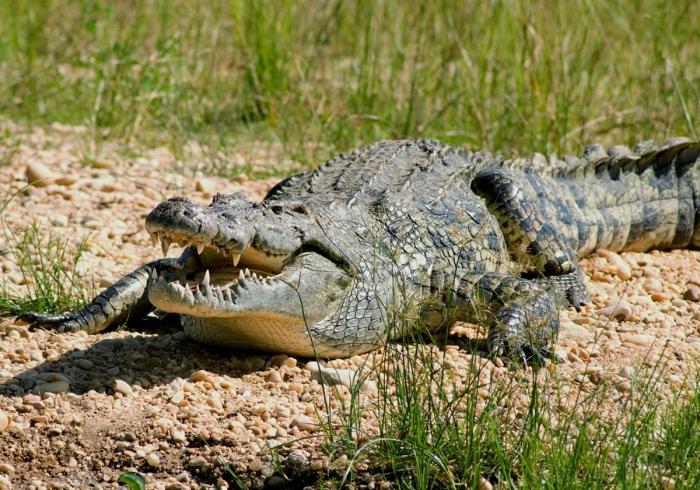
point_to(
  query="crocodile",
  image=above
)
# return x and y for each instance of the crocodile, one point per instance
(400, 236)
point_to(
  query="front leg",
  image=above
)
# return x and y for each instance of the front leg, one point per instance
(522, 317)
(126, 299)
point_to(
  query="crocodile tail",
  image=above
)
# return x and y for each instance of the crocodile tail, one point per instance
(625, 200)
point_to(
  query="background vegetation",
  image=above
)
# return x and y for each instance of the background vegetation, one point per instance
(321, 76)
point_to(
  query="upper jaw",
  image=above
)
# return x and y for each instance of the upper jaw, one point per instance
(231, 226)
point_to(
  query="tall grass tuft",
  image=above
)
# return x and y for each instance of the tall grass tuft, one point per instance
(317, 77)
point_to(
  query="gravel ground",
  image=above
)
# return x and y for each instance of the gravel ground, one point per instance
(76, 411)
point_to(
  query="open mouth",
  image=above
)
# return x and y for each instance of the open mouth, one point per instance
(222, 276)
(244, 283)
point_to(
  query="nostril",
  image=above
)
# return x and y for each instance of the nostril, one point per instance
(301, 209)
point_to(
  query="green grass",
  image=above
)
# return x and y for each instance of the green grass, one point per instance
(436, 431)
(321, 76)
(47, 265)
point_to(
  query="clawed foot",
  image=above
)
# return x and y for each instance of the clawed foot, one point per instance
(568, 287)
(524, 354)
(61, 323)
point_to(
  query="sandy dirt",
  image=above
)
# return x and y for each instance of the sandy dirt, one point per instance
(77, 411)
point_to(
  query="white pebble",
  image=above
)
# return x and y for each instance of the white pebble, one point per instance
(121, 386)
(639, 339)
(304, 423)
(4, 421)
(179, 436)
(622, 269)
(344, 377)
(626, 372)
(484, 484)
(620, 310)
(39, 175)
(153, 460)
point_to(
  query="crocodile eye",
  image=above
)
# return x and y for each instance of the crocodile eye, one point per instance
(277, 209)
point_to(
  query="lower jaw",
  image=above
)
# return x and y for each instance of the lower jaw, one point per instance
(269, 332)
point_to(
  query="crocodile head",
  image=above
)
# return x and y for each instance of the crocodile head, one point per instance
(265, 274)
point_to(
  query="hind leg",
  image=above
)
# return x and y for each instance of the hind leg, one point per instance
(532, 240)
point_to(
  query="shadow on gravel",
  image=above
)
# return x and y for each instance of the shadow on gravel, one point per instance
(157, 353)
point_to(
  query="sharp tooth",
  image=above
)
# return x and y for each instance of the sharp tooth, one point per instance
(187, 286)
(165, 245)
(205, 281)
(241, 275)
(254, 275)
(154, 238)
(235, 258)
(200, 248)
(247, 272)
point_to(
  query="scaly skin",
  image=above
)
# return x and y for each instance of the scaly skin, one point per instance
(405, 226)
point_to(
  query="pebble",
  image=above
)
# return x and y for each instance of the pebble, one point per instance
(621, 268)
(626, 372)
(692, 294)
(201, 375)
(39, 175)
(121, 386)
(297, 459)
(484, 484)
(205, 185)
(296, 388)
(55, 387)
(653, 285)
(276, 481)
(197, 462)
(571, 330)
(624, 386)
(273, 377)
(66, 180)
(4, 421)
(179, 436)
(7, 468)
(177, 397)
(153, 460)
(619, 310)
(305, 423)
(640, 339)
(5, 483)
(344, 377)
(282, 412)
